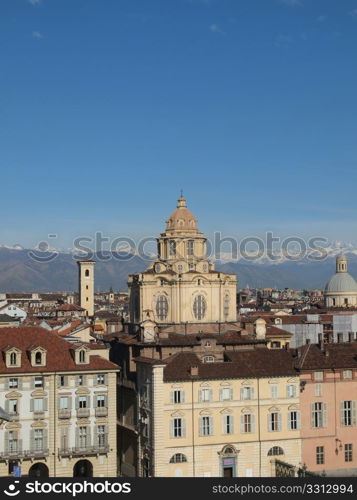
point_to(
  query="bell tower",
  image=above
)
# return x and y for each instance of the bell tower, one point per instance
(86, 285)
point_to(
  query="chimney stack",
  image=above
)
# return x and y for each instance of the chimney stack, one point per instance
(194, 371)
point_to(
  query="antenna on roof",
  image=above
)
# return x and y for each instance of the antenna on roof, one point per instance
(181, 193)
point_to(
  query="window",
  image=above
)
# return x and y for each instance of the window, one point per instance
(190, 247)
(291, 391)
(247, 393)
(247, 423)
(82, 437)
(86, 274)
(13, 359)
(347, 374)
(38, 404)
(319, 376)
(64, 403)
(177, 427)
(275, 451)
(172, 248)
(38, 439)
(177, 397)
(180, 268)
(205, 395)
(348, 452)
(62, 381)
(13, 442)
(101, 436)
(348, 413)
(82, 402)
(274, 391)
(207, 344)
(226, 394)
(13, 383)
(178, 458)
(162, 307)
(13, 406)
(274, 422)
(318, 415)
(227, 424)
(293, 420)
(82, 356)
(80, 380)
(199, 307)
(206, 426)
(318, 389)
(101, 379)
(192, 266)
(320, 455)
(38, 358)
(100, 401)
(38, 382)
(208, 359)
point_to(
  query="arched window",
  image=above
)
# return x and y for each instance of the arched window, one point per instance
(162, 307)
(275, 451)
(229, 451)
(172, 248)
(226, 306)
(86, 274)
(13, 358)
(208, 359)
(38, 358)
(180, 268)
(82, 356)
(199, 307)
(178, 458)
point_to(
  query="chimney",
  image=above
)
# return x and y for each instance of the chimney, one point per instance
(194, 371)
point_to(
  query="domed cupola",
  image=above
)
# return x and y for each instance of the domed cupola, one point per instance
(341, 289)
(181, 221)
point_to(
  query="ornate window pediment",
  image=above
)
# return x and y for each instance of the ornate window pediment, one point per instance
(177, 414)
(13, 395)
(293, 407)
(205, 384)
(273, 381)
(205, 412)
(246, 382)
(225, 384)
(247, 409)
(274, 409)
(226, 411)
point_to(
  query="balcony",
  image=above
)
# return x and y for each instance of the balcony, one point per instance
(64, 413)
(37, 415)
(14, 416)
(83, 451)
(82, 412)
(101, 411)
(15, 452)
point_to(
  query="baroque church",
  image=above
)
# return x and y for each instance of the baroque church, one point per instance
(181, 291)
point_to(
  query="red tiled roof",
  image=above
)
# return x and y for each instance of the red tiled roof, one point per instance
(59, 352)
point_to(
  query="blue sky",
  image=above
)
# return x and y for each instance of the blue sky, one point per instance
(108, 108)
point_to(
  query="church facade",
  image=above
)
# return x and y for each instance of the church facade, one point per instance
(182, 285)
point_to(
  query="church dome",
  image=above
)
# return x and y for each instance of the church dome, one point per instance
(341, 281)
(182, 219)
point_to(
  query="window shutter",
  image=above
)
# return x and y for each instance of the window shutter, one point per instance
(298, 420)
(287, 391)
(95, 401)
(210, 419)
(221, 394)
(252, 393)
(172, 425)
(66, 380)
(77, 402)
(6, 438)
(45, 404)
(353, 412)
(312, 415)
(324, 415)
(231, 418)
(77, 437)
(172, 396)
(242, 393)
(69, 403)
(201, 426)
(182, 396)
(32, 382)
(7, 383)
(200, 396)
(289, 420)
(45, 444)
(252, 419)
(58, 381)
(88, 401)
(279, 422)
(89, 437)
(242, 424)
(341, 413)
(269, 422)
(58, 403)
(95, 436)
(183, 426)
(106, 401)
(32, 439)
(31, 404)
(106, 379)
(224, 424)
(230, 393)
(210, 394)
(19, 383)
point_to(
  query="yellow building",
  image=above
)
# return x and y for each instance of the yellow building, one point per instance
(86, 285)
(181, 285)
(222, 419)
(62, 400)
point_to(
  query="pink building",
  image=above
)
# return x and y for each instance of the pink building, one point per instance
(328, 395)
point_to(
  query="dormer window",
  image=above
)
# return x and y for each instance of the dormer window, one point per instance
(208, 359)
(13, 359)
(38, 356)
(82, 355)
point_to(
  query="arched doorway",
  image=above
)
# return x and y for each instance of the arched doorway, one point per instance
(39, 470)
(83, 468)
(228, 457)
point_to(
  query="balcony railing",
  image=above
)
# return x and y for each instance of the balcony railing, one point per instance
(83, 451)
(16, 452)
(64, 413)
(38, 414)
(101, 411)
(14, 416)
(82, 412)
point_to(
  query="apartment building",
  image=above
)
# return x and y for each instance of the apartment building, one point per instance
(62, 402)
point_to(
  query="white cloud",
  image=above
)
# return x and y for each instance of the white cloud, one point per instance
(321, 19)
(215, 28)
(34, 2)
(37, 34)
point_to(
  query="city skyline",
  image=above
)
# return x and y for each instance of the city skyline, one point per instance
(108, 112)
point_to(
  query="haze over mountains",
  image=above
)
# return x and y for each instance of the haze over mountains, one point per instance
(21, 273)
